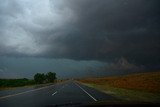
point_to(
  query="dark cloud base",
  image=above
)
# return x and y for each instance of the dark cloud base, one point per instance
(103, 30)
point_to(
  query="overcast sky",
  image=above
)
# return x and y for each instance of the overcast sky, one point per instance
(79, 32)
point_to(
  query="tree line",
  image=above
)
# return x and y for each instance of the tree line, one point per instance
(39, 78)
(44, 78)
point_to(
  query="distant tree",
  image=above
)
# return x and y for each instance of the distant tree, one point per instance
(39, 78)
(50, 77)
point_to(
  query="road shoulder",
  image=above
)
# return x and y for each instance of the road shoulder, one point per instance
(125, 94)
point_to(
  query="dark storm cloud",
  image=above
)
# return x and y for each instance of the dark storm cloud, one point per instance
(85, 30)
(110, 29)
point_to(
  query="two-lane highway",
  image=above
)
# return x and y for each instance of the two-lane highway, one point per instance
(58, 94)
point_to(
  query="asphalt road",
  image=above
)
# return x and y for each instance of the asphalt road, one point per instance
(65, 93)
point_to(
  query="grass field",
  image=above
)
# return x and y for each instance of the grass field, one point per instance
(16, 83)
(9, 83)
(136, 87)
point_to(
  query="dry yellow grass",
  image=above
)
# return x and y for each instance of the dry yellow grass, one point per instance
(143, 81)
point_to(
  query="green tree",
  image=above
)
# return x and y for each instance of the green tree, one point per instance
(50, 77)
(39, 78)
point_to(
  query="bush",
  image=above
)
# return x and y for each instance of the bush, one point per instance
(42, 78)
(50, 77)
(39, 78)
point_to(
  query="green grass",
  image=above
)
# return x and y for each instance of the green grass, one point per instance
(10, 83)
(15, 82)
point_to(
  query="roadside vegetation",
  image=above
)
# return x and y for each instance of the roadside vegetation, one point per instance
(39, 78)
(144, 87)
(44, 78)
(15, 82)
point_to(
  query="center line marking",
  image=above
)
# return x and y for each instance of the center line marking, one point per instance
(54, 93)
(86, 92)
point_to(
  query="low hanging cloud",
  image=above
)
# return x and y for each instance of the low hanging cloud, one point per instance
(122, 65)
(103, 30)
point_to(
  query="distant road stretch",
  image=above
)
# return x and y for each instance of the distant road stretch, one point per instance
(58, 94)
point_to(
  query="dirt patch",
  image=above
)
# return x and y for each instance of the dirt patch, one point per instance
(149, 82)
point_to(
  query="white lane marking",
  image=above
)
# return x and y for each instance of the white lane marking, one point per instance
(54, 93)
(86, 92)
(7, 96)
(59, 89)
